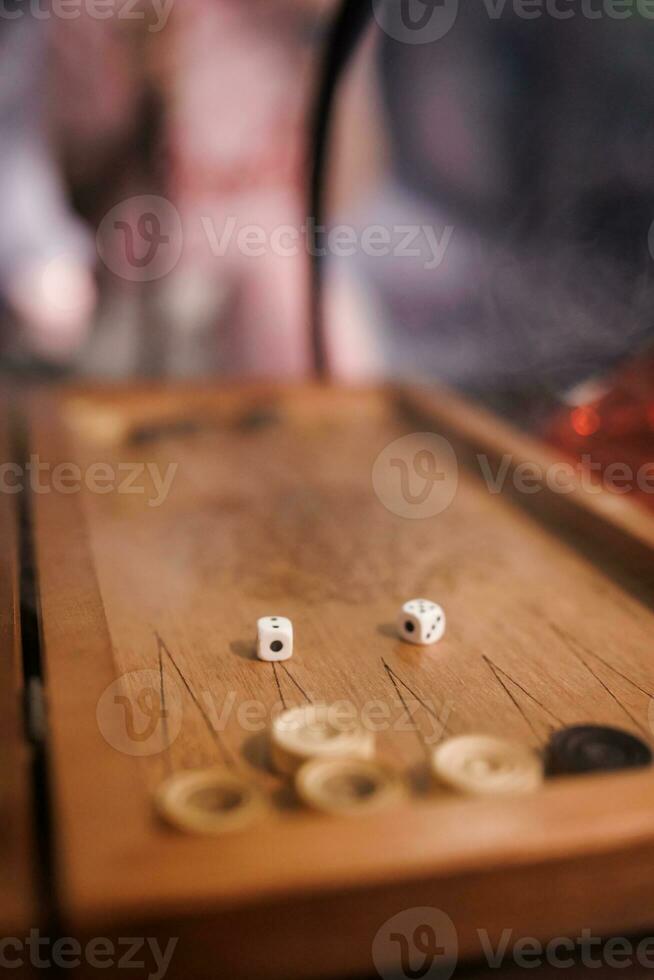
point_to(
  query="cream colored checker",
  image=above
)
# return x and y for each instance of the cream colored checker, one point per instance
(486, 765)
(208, 801)
(316, 731)
(347, 786)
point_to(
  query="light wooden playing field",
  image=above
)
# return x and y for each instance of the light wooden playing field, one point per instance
(272, 511)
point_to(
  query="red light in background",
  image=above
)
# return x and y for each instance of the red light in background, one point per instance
(585, 421)
(615, 425)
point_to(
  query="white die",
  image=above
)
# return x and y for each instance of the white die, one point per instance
(274, 638)
(421, 621)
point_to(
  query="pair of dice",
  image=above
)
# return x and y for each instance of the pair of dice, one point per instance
(420, 621)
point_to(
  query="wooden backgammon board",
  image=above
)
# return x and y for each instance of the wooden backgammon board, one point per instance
(19, 905)
(247, 501)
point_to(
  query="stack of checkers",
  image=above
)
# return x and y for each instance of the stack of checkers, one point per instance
(332, 761)
(331, 758)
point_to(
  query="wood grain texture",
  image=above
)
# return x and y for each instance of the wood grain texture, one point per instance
(271, 510)
(17, 862)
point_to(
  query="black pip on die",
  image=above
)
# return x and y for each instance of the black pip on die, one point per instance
(421, 621)
(274, 638)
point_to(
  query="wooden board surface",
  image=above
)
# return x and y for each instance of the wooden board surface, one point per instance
(17, 860)
(271, 509)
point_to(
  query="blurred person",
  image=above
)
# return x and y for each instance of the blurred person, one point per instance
(523, 147)
(224, 147)
(46, 254)
(242, 82)
(70, 108)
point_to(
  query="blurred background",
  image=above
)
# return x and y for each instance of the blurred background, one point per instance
(491, 194)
